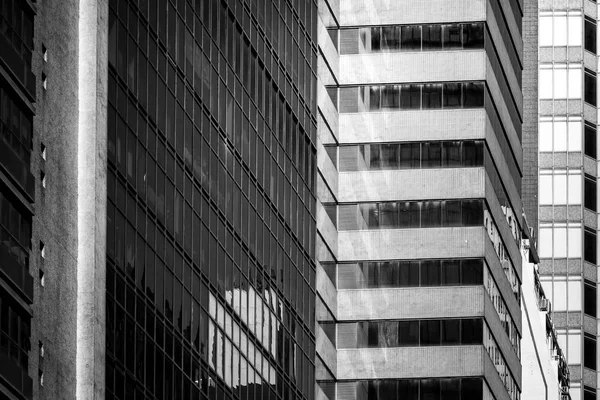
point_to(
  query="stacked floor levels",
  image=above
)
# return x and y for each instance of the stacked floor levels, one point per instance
(419, 212)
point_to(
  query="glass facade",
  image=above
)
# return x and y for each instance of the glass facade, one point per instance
(17, 95)
(211, 205)
(567, 145)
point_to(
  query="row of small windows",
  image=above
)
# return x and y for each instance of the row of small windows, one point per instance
(421, 37)
(16, 24)
(408, 214)
(413, 389)
(416, 96)
(448, 154)
(413, 273)
(430, 332)
(566, 29)
(564, 81)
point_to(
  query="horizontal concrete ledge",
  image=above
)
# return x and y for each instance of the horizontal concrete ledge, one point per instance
(425, 66)
(400, 244)
(406, 126)
(413, 184)
(411, 303)
(410, 362)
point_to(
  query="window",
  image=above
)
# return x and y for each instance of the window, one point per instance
(560, 134)
(589, 352)
(560, 187)
(590, 140)
(589, 393)
(560, 81)
(560, 29)
(589, 298)
(590, 35)
(589, 244)
(590, 193)
(590, 87)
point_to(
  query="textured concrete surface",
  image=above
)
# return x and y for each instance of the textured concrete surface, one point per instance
(92, 139)
(55, 223)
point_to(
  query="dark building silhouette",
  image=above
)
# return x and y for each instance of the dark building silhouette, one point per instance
(17, 195)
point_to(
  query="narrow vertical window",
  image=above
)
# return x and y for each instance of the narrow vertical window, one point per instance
(590, 84)
(590, 35)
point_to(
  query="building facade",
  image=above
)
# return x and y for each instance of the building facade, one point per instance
(567, 174)
(211, 226)
(419, 211)
(17, 196)
(546, 373)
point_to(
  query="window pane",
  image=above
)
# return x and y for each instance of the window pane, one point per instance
(452, 95)
(452, 213)
(590, 36)
(473, 95)
(590, 193)
(574, 195)
(388, 274)
(430, 389)
(431, 273)
(545, 83)
(409, 215)
(575, 30)
(388, 215)
(545, 31)
(450, 389)
(370, 214)
(430, 332)
(375, 39)
(590, 88)
(590, 141)
(408, 333)
(472, 212)
(431, 155)
(451, 154)
(574, 139)
(472, 272)
(545, 136)
(560, 189)
(408, 389)
(473, 153)
(390, 38)
(390, 97)
(452, 36)
(411, 37)
(473, 36)
(410, 97)
(590, 252)
(560, 31)
(560, 83)
(432, 37)
(408, 273)
(450, 332)
(589, 352)
(574, 249)
(374, 98)
(432, 96)
(431, 214)
(471, 331)
(471, 388)
(388, 334)
(451, 272)
(589, 299)
(574, 83)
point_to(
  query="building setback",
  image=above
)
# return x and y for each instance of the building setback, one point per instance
(419, 211)
(567, 172)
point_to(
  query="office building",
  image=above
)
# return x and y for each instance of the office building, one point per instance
(170, 252)
(17, 196)
(211, 159)
(419, 211)
(567, 172)
(545, 371)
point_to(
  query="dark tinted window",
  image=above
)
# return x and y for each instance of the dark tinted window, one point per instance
(589, 298)
(432, 37)
(431, 273)
(590, 36)
(450, 332)
(408, 333)
(590, 87)
(589, 352)
(472, 272)
(408, 389)
(473, 36)
(430, 333)
(452, 36)
(472, 331)
(589, 198)
(471, 388)
(590, 141)
(430, 389)
(589, 246)
(451, 272)
(411, 37)
(409, 273)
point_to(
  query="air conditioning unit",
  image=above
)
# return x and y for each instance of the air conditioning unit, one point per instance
(544, 305)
